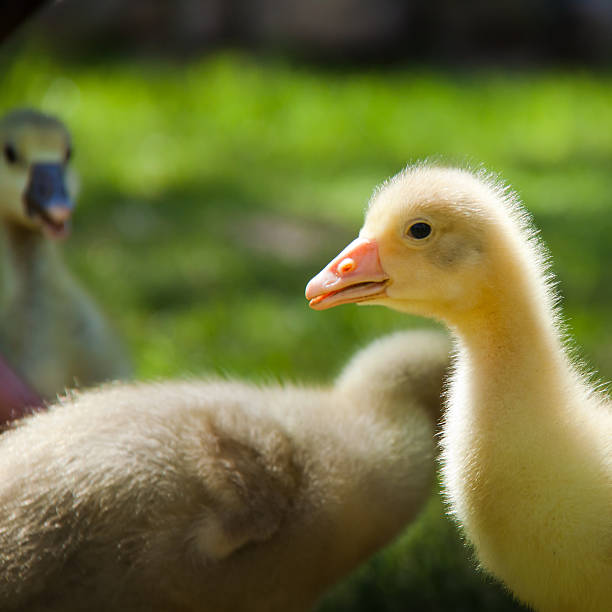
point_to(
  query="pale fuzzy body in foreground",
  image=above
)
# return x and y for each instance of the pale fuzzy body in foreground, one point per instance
(527, 442)
(51, 331)
(217, 496)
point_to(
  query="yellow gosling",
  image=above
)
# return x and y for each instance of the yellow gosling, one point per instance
(527, 441)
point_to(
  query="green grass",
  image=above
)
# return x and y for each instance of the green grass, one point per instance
(212, 191)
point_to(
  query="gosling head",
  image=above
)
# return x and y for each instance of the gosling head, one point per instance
(429, 246)
(35, 182)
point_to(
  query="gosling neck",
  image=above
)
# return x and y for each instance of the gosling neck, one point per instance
(31, 260)
(510, 342)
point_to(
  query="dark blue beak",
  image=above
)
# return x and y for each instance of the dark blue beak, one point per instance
(46, 196)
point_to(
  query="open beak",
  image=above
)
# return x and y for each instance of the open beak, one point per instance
(355, 275)
(47, 199)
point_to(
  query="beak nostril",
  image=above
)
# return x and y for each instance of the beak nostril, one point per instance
(346, 265)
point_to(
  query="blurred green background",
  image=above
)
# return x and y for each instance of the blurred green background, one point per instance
(214, 187)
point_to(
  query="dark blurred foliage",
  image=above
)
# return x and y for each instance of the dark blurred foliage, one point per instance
(13, 14)
(515, 32)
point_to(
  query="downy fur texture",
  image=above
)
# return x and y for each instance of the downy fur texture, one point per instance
(218, 495)
(527, 440)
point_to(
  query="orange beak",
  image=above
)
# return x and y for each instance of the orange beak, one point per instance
(355, 275)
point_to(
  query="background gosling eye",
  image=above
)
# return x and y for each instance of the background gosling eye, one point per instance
(419, 230)
(10, 153)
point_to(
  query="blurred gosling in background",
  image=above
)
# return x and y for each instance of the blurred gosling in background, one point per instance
(51, 332)
(217, 495)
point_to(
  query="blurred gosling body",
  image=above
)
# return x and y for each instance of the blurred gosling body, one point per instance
(51, 332)
(219, 495)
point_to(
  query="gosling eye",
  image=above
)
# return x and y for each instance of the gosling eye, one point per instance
(10, 153)
(419, 230)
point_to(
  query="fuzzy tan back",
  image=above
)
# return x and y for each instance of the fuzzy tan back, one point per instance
(207, 495)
